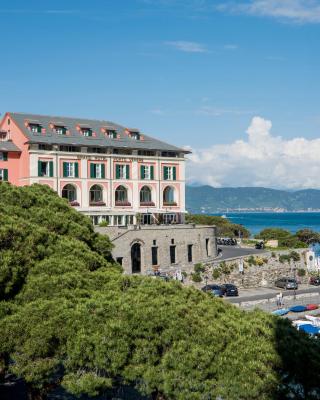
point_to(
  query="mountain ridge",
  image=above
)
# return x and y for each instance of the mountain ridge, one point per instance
(210, 200)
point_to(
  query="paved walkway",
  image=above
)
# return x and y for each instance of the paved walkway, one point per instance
(230, 252)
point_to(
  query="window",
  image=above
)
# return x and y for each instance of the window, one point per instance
(172, 254)
(70, 149)
(154, 255)
(69, 192)
(97, 171)
(96, 194)
(122, 151)
(154, 242)
(46, 147)
(189, 253)
(147, 153)
(169, 154)
(172, 241)
(3, 156)
(118, 220)
(111, 134)
(135, 135)
(145, 195)
(168, 196)
(169, 173)
(122, 171)
(121, 195)
(60, 130)
(99, 150)
(119, 260)
(207, 247)
(45, 168)
(147, 172)
(35, 128)
(169, 218)
(3, 174)
(87, 132)
(70, 170)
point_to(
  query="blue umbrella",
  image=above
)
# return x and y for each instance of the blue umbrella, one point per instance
(297, 308)
(312, 330)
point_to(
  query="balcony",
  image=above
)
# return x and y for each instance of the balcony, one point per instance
(74, 203)
(122, 203)
(147, 204)
(97, 204)
(169, 204)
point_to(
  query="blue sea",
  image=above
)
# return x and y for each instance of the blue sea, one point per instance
(291, 221)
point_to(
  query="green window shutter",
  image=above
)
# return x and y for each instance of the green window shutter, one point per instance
(165, 173)
(152, 172)
(65, 171)
(127, 171)
(76, 170)
(39, 168)
(5, 156)
(5, 175)
(174, 170)
(103, 171)
(117, 171)
(142, 174)
(92, 171)
(51, 169)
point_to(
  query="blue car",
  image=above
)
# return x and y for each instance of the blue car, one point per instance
(215, 290)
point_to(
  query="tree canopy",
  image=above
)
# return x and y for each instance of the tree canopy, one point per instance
(69, 317)
(225, 228)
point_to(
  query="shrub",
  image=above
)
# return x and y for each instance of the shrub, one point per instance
(198, 268)
(294, 255)
(265, 260)
(103, 224)
(301, 272)
(216, 273)
(196, 277)
(273, 255)
(184, 274)
(284, 258)
(259, 261)
(252, 261)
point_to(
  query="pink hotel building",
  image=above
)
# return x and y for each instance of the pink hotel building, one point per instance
(107, 171)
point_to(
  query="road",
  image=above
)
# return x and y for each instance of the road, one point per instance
(229, 252)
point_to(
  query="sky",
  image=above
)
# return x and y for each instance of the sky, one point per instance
(236, 82)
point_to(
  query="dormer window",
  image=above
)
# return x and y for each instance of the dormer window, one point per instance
(35, 128)
(111, 134)
(135, 135)
(60, 130)
(87, 132)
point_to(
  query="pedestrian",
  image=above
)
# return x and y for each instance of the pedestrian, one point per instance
(279, 300)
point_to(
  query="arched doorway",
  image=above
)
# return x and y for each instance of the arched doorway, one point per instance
(168, 196)
(136, 258)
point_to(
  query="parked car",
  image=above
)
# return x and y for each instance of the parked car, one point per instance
(230, 290)
(214, 289)
(286, 283)
(314, 280)
(259, 246)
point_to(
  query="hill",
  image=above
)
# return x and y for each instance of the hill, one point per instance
(210, 199)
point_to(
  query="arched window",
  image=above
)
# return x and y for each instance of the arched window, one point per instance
(121, 195)
(96, 194)
(168, 196)
(145, 195)
(69, 192)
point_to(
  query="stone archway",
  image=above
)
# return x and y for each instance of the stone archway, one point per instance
(136, 258)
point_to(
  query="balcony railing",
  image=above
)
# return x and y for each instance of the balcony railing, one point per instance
(123, 203)
(97, 203)
(169, 204)
(74, 203)
(147, 204)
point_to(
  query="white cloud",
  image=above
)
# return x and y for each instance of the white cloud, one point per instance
(230, 46)
(261, 160)
(301, 11)
(188, 47)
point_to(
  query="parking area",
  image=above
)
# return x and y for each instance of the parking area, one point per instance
(230, 252)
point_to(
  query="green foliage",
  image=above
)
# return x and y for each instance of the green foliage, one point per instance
(285, 238)
(294, 255)
(199, 268)
(308, 236)
(216, 273)
(301, 272)
(251, 261)
(70, 317)
(196, 277)
(103, 224)
(273, 255)
(224, 226)
(284, 258)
